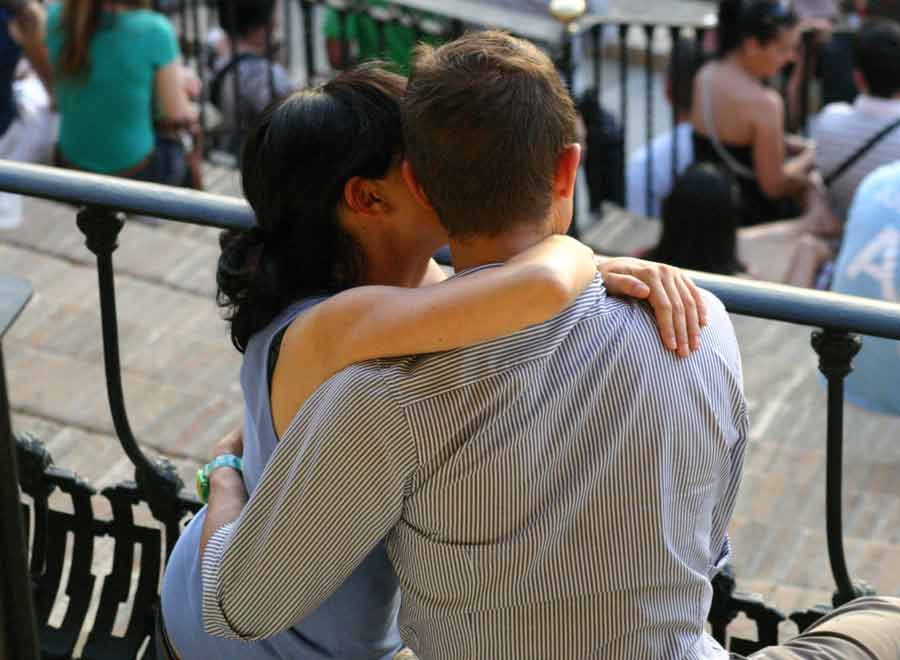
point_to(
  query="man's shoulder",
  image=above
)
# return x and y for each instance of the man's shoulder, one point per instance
(361, 386)
(833, 117)
(718, 334)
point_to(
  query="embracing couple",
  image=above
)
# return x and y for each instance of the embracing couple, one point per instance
(540, 476)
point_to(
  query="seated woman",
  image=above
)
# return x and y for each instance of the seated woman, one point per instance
(738, 121)
(114, 62)
(322, 172)
(701, 230)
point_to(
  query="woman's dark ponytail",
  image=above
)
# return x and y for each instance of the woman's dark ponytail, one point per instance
(294, 166)
(728, 32)
(743, 19)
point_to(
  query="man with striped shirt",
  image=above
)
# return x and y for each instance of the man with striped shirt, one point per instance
(559, 493)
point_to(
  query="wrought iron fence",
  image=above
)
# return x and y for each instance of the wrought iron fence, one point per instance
(101, 201)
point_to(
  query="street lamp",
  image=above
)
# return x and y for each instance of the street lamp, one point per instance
(567, 11)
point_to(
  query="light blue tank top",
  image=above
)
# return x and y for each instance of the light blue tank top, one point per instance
(358, 622)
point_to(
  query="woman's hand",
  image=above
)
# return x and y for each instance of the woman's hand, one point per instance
(676, 301)
(28, 27)
(231, 443)
(227, 495)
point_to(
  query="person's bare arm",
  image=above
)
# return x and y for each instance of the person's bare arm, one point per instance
(375, 321)
(28, 30)
(172, 96)
(227, 495)
(776, 177)
(335, 50)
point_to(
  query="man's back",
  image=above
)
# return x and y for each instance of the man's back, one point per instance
(570, 489)
(841, 130)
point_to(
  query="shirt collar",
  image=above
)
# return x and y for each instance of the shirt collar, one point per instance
(877, 107)
(475, 269)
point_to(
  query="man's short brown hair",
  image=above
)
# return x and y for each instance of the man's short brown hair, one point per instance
(486, 118)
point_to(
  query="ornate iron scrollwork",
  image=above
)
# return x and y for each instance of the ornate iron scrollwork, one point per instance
(51, 554)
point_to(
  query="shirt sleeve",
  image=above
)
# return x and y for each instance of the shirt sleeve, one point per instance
(162, 45)
(635, 176)
(720, 544)
(332, 490)
(284, 86)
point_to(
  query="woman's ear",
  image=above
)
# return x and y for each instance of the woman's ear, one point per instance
(362, 196)
(409, 178)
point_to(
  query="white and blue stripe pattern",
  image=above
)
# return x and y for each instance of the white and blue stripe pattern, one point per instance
(560, 493)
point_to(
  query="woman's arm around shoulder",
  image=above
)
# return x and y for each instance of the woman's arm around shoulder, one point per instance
(381, 321)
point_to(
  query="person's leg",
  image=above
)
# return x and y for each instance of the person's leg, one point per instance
(864, 629)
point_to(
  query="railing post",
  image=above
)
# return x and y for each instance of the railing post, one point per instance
(649, 31)
(568, 17)
(836, 349)
(809, 42)
(158, 481)
(309, 53)
(623, 97)
(18, 627)
(675, 81)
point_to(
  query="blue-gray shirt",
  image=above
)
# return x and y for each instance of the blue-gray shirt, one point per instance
(358, 621)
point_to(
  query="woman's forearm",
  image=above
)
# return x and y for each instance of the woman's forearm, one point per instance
(534, 286)
(227, 498)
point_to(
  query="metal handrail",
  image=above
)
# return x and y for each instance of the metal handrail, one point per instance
(80, 188)
(775, 302)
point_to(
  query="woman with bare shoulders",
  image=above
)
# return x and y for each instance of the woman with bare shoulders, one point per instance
(738, 121)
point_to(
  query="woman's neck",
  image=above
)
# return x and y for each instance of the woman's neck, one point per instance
(737, 63)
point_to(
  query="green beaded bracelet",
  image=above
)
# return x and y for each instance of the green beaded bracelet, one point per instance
(225, 460)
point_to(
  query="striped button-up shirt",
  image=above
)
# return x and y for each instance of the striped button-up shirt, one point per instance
(562, 492)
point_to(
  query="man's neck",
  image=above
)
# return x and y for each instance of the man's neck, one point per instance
(471, 252)
(252, 43)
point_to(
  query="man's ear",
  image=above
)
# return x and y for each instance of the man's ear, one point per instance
(567, 171)
(409, 178)
(363, 196)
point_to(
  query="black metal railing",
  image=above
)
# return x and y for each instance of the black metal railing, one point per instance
(102, 200)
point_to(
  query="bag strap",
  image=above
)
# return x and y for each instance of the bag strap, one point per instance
(215, 87)
(859, 153)
(738, 169)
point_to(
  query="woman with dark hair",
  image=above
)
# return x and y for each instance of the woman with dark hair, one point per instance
(700, 219)
(323, 171)
(738, 121)
(701, 231)
(116, 72)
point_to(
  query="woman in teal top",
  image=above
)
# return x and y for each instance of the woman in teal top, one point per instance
(116, 70)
